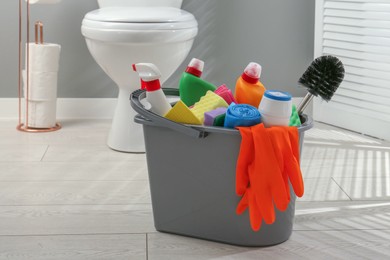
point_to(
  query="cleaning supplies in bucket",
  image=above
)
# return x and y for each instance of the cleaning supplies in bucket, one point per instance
(275, 107)
(191, 86)
(249, 90)
(150, 76)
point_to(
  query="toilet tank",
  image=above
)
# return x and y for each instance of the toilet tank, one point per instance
(168, 3)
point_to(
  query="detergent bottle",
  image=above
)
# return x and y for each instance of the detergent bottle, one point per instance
(150, 76)
(191, 86)
(276, 108)
(249, 90)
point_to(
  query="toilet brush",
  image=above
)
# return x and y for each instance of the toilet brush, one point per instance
(322, 78)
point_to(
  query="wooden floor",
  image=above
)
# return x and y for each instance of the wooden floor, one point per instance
(65, 195)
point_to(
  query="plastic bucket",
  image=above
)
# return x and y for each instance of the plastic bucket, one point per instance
(192, 172)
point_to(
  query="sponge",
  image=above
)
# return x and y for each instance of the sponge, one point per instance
(294, 119)
(180, 113)
(220, 120)
(208, 102)
(225, 93)
(211, 116)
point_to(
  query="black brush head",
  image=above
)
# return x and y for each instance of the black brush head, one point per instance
(323, 76)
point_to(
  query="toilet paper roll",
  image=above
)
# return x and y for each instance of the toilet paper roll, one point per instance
(42, 114)
(44, 1)
(43, 57)
(42, 85)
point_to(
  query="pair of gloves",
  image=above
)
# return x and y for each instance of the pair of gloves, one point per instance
(268, 161)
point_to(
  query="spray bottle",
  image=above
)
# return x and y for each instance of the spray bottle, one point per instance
(191, 86)
(150, 76)
(249, 90)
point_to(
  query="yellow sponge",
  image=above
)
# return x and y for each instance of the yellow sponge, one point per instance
(208, 102)
(180, 113)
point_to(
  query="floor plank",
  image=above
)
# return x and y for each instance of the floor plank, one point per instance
(73, 131)
(76, 171)
(74, 193)
(88, 153)
(366, 188)
(25, 153)
(350, 215)
(84, 247)
(322, 189)
(76, 220)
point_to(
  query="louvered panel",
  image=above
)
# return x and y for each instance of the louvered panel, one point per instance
(357, 30)
(357, 103)
(351, 107)
(385, 93)
(377, 66)
(357, 14)
(357, 55)
(367, 81)
(385, 41)
(368, 73)
(362, 96)
(358, 47)
(342, 5)
(356, 22)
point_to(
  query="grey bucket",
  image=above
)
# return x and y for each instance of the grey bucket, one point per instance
(192, 181)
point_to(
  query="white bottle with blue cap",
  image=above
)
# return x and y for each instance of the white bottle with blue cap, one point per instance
(276, 108)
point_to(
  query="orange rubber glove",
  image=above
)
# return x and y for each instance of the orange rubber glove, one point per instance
(245, 160)
(244, 166)
(267, 179)
(249, 201)
(285, 141)
(258, 177)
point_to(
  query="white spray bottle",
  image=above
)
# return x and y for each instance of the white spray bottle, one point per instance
(150, 76)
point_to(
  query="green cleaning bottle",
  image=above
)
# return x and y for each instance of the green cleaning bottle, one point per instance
(191, 86)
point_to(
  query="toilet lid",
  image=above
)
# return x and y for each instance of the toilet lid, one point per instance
(141, 18)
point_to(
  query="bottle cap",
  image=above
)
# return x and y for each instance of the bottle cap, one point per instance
(195, 67)
(277, 95)
(149, 75)
(252, 73)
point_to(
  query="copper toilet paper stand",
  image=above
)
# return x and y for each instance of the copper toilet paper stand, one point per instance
(38, 40)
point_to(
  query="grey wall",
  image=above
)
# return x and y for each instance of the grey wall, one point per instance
(278, 34)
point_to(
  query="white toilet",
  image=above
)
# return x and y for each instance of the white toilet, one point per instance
(124, 32)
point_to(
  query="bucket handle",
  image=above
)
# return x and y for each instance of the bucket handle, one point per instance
(139, 94)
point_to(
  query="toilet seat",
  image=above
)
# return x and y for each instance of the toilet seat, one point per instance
(139, 24)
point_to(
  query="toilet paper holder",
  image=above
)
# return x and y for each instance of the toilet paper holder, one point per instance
(24, 127)
(38, 32)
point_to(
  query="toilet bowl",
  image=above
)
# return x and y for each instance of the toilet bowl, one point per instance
(122, 33)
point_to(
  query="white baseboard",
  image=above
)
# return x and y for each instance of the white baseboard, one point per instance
(96, 108)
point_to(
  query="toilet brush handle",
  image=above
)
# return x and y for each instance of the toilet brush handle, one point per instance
(304, 103)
